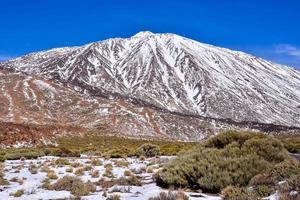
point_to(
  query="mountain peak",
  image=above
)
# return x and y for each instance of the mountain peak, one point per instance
(143, 34)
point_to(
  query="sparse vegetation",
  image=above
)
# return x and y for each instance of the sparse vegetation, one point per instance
(170, 196)
(75, 185)
(231, 158)
(18, 193)
(148, 150)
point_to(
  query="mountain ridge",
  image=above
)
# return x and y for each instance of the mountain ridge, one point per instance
(174, 74)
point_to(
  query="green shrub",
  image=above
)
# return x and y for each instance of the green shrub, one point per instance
(147, 150)
(210, 170)
(115, 153)
(222, 161)
(285, 169)
(64, 152)
(27, 155)
(2, 158)
(236, 193)
(264, 190)
(228, 137)
(170, 196)
(269, 149)
(75, 185)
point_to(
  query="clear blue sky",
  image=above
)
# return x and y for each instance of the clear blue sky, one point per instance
(266, 28)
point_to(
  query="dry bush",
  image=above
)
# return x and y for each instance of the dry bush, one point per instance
(79, 171)
(75, 185)
(96, 162)
(170, 196)
(95, 174)
(17, 193)
(52, 175)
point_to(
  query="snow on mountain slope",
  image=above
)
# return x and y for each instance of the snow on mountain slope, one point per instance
(33, 109)
(177, 74)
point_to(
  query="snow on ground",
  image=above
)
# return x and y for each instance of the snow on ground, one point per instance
(31, 183)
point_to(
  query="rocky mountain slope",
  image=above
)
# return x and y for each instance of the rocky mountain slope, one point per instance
(34, 109)
(166, 73)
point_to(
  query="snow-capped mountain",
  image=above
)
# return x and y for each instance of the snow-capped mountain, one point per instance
(174, 74)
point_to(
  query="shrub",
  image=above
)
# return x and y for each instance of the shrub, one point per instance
(210, 170)
(79, 172)
(2, 158)
(114, 197)
(3, 181)
(285, 169)
(95, 174)
(18, 193)
(27, 155)
(64, 152)
(264, 190)
(62, 162)
(121, 163)
(75, 164)
(127, 173)
(115, 153)
(228, 137)
(149, 169)
(147, 150)
(262, 179)
(73, 184)
(170, 196)
(290, 190)
(236, 193)
(227, 159)
(269, 149)
(131, 180)
(88, 168)
(96, 162)
(51, 175)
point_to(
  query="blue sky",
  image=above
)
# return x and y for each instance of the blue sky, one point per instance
(266, 28)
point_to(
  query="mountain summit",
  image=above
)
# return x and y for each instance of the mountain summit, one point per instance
(174, 74)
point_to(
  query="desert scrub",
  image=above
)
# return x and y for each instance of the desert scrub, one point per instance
(270, 149)
(62, 162)
(17, 193)
(99, 143)
(149, 169)
(129, 181)
(88, 168)
(127, 173)
(113, 197)
(170, 196)
(75, 185)
(96, 162)
(121, 163)
(33, 169)
(237, 193)
(285, 169)
(24, 154)
(95, 173)
(2, 158)
(148, 150)
(52, 175)
(222, 161)
(79, 171)
(3, 181)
